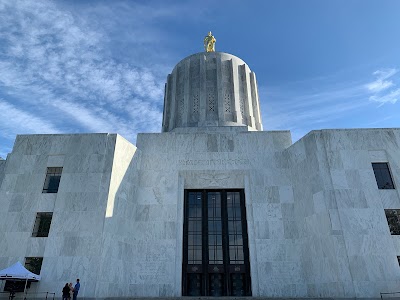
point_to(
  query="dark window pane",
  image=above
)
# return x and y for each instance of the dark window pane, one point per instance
(237, 213)
(240, 253)
(211, 240)
(238, 227)
(198, 255)
(194, 240)
(52, 180)
(34, 264)
(210, 226)
(218, 227)
(16, 286)
(42, 224)
(393, 219)
(231, 227)
(232, 254)
(194, 226)
(211, 254)
(194, 212)
(197, 240)
(219, 254)
(382, 176)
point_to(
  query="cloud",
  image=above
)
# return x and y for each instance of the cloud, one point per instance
(58, 65)
(298, 109)
(17, 121)
(380, 87)
(381, 83)
(391, 97)
(385, 73)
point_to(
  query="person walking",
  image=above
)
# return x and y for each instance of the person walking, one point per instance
(65, 292)
(76, 289)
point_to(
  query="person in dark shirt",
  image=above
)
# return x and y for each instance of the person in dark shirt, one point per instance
(65, 292)
(76, 289)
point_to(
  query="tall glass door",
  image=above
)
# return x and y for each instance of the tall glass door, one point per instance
(215, 243)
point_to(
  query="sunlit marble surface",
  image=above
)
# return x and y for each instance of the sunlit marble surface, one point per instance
(316, 220)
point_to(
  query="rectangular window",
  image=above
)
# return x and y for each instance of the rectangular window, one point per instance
(42, 224)
(398, 260)
(34, 264)
(382, 176)
(16, 286)
(393, 219)
(52, 180)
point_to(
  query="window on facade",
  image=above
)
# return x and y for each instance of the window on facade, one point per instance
(34, 264)
(398, 260)
(393, 219)
(16, 286)
(42, 224)
(382, 175)
(52, 181)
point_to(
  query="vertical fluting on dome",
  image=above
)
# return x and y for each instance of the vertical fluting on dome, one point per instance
(211, 89)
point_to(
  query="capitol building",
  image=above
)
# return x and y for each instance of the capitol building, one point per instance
(212, 206)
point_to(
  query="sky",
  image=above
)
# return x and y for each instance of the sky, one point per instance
(100, 66)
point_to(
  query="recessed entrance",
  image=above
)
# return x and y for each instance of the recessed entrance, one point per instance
(215, 244)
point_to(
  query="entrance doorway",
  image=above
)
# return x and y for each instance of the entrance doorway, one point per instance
(215, 244)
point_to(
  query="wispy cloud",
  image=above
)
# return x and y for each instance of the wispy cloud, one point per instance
(381, 87)
(21, 121)
(381, 83)
(390, 97)
(58, 65)
(309, 105)
(295, 108)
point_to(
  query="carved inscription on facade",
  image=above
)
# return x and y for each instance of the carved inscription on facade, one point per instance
(214, 162)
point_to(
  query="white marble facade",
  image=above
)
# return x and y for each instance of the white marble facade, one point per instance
(316, 220)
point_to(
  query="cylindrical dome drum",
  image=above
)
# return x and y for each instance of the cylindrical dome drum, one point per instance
(211, 89)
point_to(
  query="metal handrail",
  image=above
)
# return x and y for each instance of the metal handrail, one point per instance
(392, 293)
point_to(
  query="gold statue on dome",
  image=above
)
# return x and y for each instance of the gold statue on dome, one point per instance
(209, 42)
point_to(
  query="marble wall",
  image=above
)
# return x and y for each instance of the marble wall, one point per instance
(74, 245)
(2, 166)
(316, 220)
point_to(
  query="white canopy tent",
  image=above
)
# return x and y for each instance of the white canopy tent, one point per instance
(18, 271)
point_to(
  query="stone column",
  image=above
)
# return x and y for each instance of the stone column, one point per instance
(203, 91)
(173, 102)
(256, 102)
(220, 92)
(237, 115)
(249, 103)
(186, 94)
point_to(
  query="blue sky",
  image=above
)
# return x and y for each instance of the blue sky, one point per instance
(100, 66)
